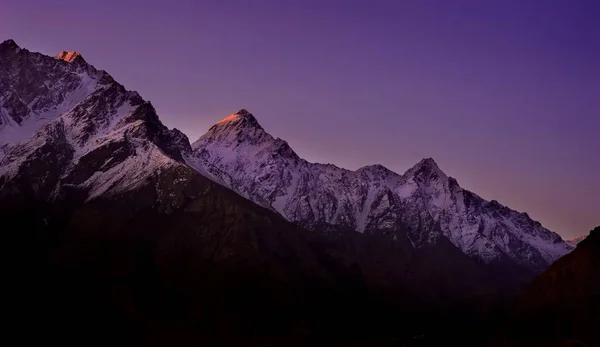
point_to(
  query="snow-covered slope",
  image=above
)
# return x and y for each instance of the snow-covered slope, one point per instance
(65, 125)
(240, 154)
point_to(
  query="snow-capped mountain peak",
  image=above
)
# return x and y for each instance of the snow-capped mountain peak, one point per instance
(426, 171)
(236, 128)
(377, 170)
(241, 116)
(240, 119)
(65, 125)
(242, 129)
(27, 103)
(234, 142)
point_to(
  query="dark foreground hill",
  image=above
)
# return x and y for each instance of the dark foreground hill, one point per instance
(219, 269)
(562, 306)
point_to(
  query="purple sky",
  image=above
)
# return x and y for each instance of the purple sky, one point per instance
(504, 95)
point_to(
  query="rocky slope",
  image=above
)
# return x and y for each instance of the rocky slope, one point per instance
(240, 154)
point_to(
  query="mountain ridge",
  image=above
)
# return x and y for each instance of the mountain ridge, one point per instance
(266, 170)
(97, 190)
(103, 213)
(240, 154)
(79, 130)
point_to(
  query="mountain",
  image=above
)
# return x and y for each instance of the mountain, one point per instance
(238, 153)
(107, 231)
(113, 225)
(562, 305)
(97, 137)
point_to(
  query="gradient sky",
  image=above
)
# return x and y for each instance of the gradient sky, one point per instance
(504, 95)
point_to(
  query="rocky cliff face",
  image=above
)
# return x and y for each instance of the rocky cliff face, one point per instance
(240, 154)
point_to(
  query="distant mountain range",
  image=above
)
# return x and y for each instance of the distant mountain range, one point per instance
(90, 178)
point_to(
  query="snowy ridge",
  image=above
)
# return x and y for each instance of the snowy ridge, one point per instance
(81, 130)
(240, 154)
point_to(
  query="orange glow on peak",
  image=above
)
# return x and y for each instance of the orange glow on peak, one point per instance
(68, 56)
(229, 118)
